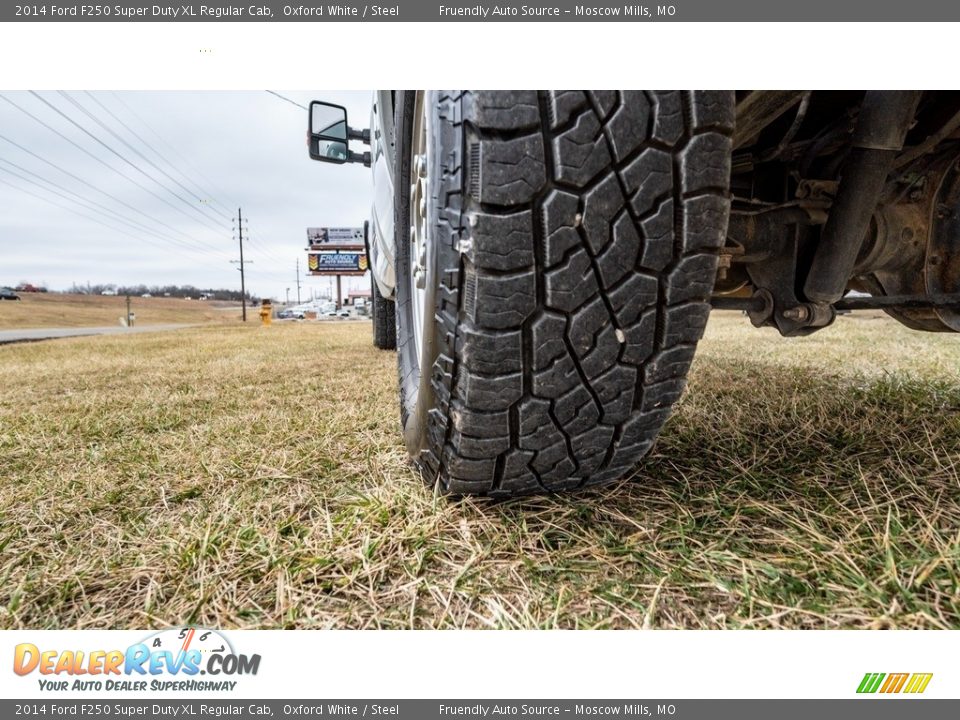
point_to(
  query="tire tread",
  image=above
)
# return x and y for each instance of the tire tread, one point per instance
(578, 248)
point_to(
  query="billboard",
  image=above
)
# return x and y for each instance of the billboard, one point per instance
(334, 236)
(337, 262)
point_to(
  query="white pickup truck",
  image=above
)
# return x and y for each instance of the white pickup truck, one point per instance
(545, 261)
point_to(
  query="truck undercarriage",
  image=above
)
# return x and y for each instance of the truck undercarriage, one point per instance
(839, 191)
(550, 258)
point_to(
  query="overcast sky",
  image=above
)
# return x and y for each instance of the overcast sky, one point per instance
(229, 149)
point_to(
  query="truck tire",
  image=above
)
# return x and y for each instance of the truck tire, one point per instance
(556, 252)
(384, 319)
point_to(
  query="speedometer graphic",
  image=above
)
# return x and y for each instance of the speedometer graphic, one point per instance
(183, 639)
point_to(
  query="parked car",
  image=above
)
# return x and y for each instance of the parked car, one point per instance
(552, 257)
(291, 314)
(8, 294)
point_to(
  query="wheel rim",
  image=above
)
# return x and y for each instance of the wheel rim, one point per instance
(419, 219)
(417, 273)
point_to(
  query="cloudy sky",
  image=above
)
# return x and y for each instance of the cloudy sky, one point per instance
(141, 187)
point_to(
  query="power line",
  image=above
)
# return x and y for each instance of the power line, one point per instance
(196, 206)
(261, 250)
(260, 245)
(92, 206)
(94, 157)
(205, 195)
(255, 241)
(107, 123)
(174, 151)
(54, 184)
(77, 212)
(110, 149)
(284, 97)
(105, 164)
(104, 193)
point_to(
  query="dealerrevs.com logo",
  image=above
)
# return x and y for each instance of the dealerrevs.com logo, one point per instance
(169, 660)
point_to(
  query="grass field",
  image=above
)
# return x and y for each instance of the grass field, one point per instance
(42, 310)
(251, 477)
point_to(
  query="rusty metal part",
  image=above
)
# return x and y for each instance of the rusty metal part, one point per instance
(881, 129)
(913, 249)
(759, 109)
(771, 237)
(884, 119)
(931, 142)
(818, 315)
(762, 310)
(746, 304)
(896, 241)
(942, 262)
(723, 264)
(799, 313)
(899, 302)
(731, 277)
(822, 190)
(761, 302)
(906, 253)
(804, 212)
(791, 132)
(810, 315)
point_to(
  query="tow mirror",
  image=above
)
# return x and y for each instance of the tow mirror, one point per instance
(329, 135)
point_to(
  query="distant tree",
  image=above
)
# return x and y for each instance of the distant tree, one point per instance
(176, 291)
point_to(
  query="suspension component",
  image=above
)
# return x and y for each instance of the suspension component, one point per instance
(880, 132)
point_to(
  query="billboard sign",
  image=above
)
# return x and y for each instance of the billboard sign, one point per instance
(334, 236)
(337, 262)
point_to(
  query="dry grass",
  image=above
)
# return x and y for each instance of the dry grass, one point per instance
(42, 310)
(258, 480)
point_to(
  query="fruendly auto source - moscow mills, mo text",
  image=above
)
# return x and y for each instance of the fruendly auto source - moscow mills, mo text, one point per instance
(631, 11)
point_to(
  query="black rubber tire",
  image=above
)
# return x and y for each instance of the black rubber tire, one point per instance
(384, 319)
(574, 253)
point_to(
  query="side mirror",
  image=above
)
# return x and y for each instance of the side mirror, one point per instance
(329, 135)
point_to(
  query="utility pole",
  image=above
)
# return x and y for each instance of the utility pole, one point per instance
(298, 281)
(288, 296)
(243, 282)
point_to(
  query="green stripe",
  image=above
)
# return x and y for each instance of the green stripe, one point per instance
(871, 682)
(877, 682)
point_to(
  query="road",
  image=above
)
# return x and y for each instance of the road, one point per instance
(29, 334)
